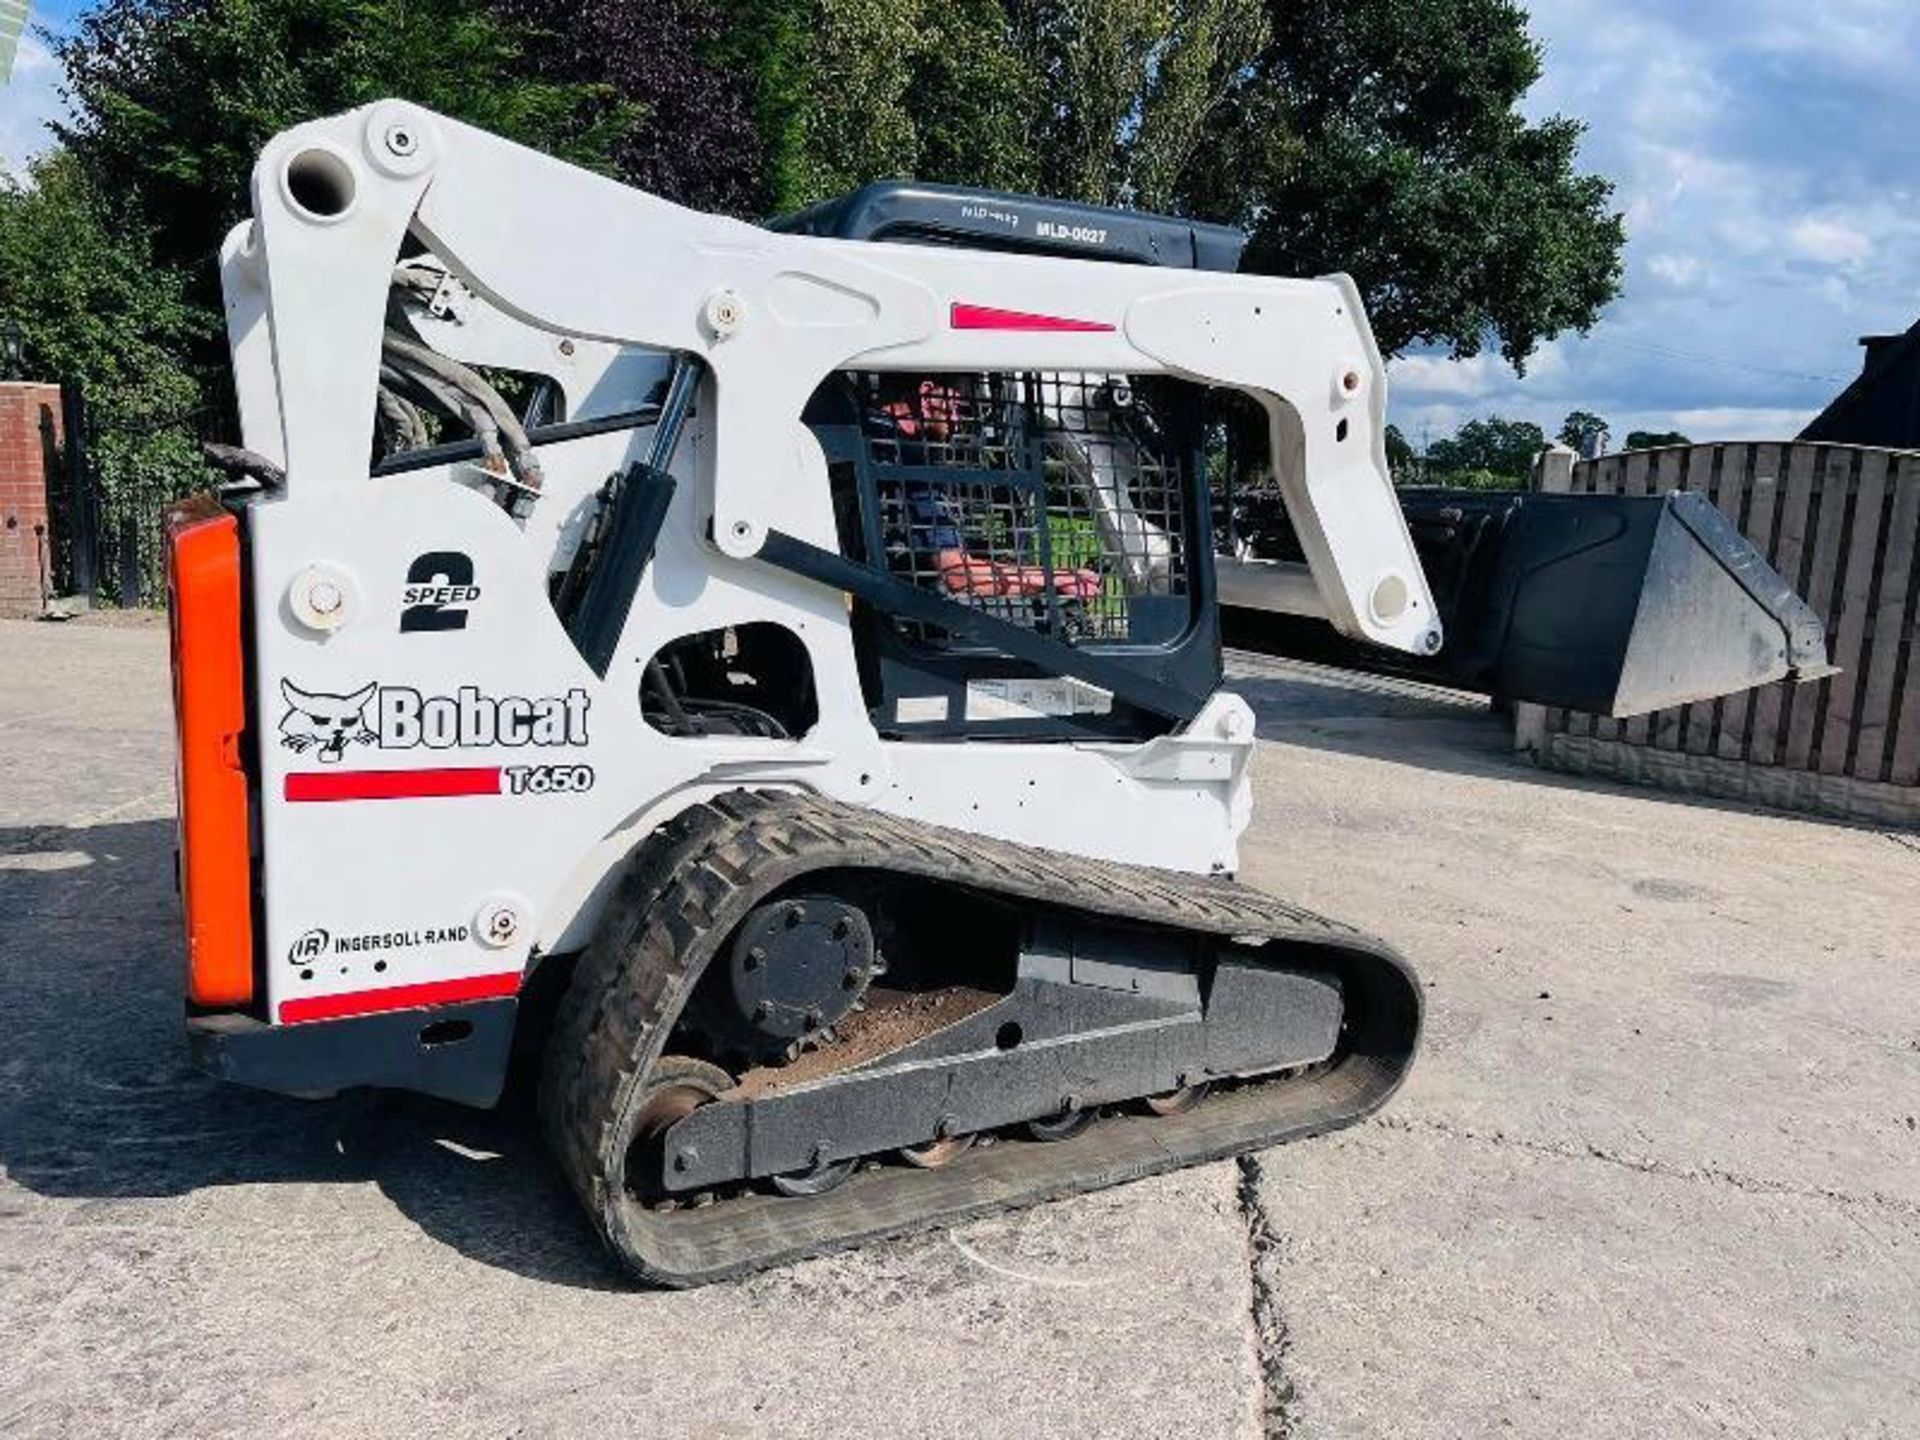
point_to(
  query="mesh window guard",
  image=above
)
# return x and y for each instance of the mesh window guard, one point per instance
(1053, 501)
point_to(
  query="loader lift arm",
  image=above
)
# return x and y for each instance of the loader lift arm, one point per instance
(772, 316)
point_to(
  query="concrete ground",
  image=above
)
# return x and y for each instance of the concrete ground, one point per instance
(1657, 1171)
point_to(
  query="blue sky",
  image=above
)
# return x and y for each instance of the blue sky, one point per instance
(32, 95)
(1765, 155)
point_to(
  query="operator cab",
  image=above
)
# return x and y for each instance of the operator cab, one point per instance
(1072, 506)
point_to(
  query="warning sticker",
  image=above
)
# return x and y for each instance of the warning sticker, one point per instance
(920, 710)
(1035, 699)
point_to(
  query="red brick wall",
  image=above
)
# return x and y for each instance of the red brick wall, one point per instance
(24, 543)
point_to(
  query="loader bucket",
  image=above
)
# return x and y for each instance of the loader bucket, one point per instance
(1612, 604)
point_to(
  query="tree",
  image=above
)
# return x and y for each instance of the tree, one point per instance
(1103, 102)
(89, 303)
(1655, 439)
(111, 257)
(681, 79)
(857, 90)
(1505, 449)
(93, 308)
(1128, 90)
(1402, 463)
(973, 99)
(172, 100)
(1584, 432)
(854, 121)
(1382, 138)
(1377, 137)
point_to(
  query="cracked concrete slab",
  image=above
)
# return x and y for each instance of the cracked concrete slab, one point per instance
(1657, 1170)
(361, 1313)
(1666, 1112)
(1279, 1417)
(1437, 1284)
(1610, 967)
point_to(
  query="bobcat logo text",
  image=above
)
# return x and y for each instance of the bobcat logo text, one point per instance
(399, 717)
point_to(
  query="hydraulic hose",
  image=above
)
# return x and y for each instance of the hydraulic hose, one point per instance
(411, 356)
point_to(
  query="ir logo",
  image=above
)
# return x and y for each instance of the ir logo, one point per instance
(308, 948)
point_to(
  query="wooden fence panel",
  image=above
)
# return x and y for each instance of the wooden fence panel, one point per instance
(1905, 734)
(1831, 509)
(1889, 612)
(1706, 475)
(1788, 554)
(1847, 626)
(1636, 478)
(1553, 476)
(1596, 477)
(1735, 482)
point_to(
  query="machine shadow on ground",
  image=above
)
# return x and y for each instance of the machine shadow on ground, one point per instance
(98, 1103)
(1407, 723)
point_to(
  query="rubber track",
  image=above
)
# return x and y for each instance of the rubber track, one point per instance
(692, 882)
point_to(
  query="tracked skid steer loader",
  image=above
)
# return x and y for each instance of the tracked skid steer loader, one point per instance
(779, 665)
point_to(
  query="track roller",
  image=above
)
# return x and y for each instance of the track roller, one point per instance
(1071, 1121)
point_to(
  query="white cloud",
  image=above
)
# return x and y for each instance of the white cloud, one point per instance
(32, 57)
(1833, 242)
(1674, 182)
(27, 104)
(1483, 375)
(1868, 37)
(1871, 37)
(1438, 375)
(1736, 422)
(1679, 271)
(1423, 424)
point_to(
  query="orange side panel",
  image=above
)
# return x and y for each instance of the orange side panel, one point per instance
(209, 707)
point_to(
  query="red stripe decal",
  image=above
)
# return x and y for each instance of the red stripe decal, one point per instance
(399, 997)
(985, 317)
(393, 784)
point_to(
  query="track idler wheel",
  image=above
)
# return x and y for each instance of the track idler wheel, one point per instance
(677, 1087)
